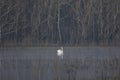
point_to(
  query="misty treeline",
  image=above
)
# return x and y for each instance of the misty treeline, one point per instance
(82, 22)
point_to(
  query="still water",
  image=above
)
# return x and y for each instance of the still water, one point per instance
(42, 63)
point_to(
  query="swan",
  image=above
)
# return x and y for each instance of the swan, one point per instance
(60, 52)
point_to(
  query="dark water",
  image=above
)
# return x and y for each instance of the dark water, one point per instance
(42, 63)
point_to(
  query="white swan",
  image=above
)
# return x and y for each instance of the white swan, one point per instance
(60, 52)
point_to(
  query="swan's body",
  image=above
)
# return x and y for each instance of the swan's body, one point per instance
(60, 52)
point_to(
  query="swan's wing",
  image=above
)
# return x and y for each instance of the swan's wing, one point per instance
(59, 52)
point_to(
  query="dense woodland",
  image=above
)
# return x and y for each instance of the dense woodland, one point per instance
(81, 22)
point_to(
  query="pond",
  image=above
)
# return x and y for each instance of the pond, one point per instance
(42, 63)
